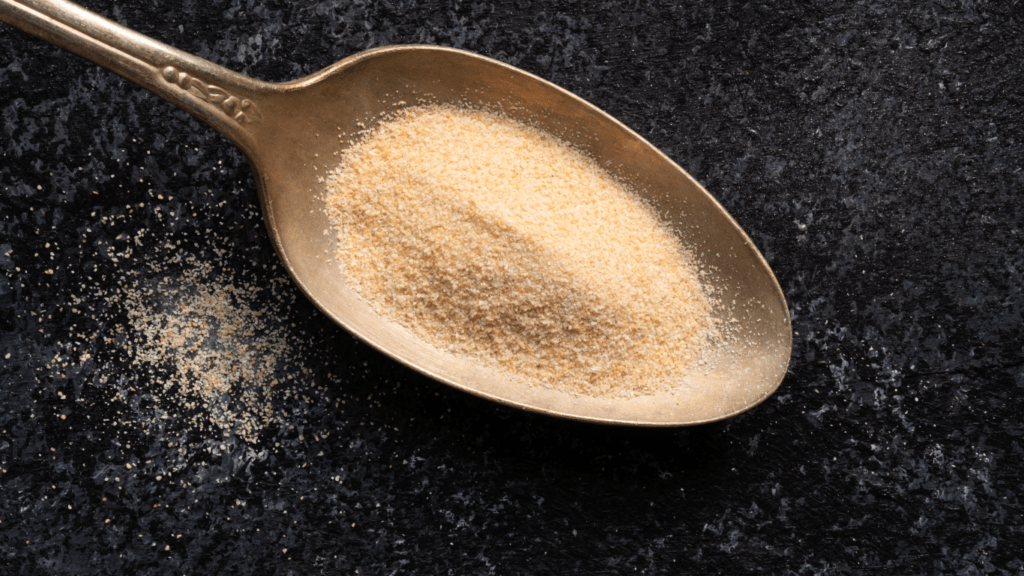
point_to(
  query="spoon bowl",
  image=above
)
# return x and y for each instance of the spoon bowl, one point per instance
(293, 132)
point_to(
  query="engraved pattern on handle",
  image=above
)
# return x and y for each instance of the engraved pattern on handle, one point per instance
(241, 110)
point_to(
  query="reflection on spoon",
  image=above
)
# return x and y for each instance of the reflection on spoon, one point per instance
(290, 133)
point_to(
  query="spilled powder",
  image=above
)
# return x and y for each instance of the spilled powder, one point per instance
(193, 352)
(214, 354)
(498, 243)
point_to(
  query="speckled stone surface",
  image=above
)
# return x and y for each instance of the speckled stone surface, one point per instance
(872, 150)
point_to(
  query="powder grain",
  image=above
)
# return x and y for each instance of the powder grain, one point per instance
(496, 242)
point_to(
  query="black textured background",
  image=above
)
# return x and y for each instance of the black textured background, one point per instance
(872, 150)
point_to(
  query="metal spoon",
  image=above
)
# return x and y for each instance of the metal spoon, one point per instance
(290, 134)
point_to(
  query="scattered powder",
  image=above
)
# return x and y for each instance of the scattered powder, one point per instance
(191, 351)
(216, 356)
(496, 242)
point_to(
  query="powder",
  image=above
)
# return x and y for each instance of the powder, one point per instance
(214, 353)
(193, 353)
(497, 242)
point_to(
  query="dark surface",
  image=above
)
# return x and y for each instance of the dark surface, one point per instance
(871, 150)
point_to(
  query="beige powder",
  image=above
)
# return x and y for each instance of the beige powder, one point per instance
(499, 243)
(217, 356)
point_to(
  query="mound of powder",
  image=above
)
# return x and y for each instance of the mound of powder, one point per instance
(496, 242)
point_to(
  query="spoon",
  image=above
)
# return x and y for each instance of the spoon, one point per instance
(290, 134)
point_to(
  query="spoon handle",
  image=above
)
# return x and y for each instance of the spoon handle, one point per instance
(225, 100)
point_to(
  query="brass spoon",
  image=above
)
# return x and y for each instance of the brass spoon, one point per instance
(290, 134)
